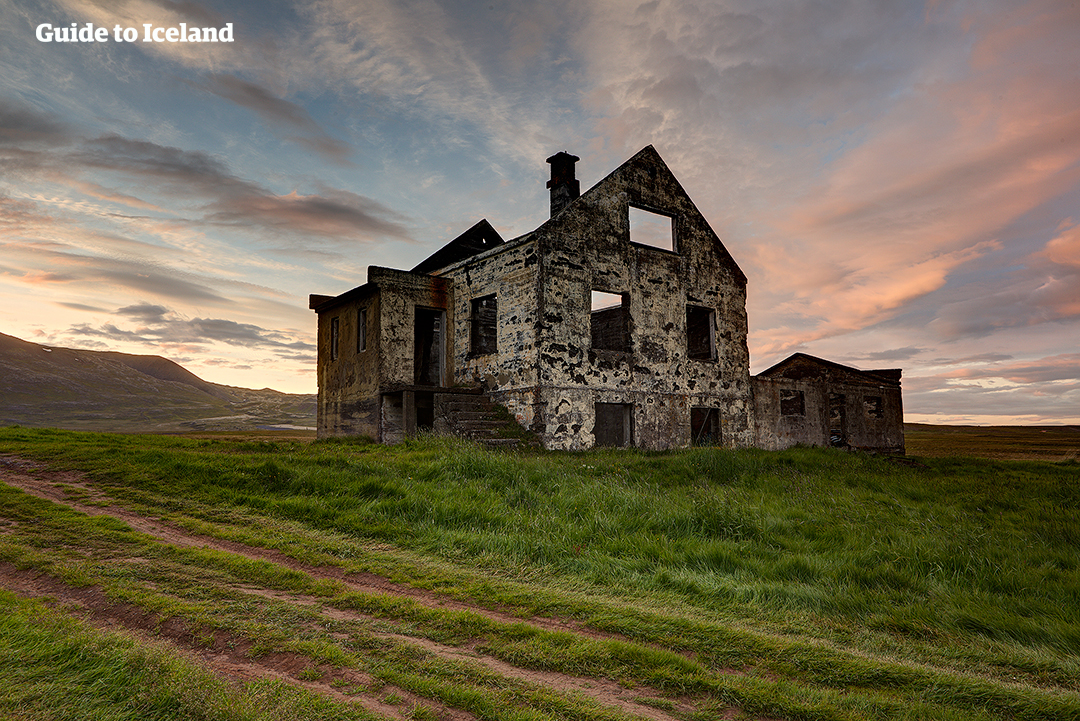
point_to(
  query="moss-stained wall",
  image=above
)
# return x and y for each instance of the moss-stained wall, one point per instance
(587, 247)
(839, 406)
(348, 384)
(545, 366)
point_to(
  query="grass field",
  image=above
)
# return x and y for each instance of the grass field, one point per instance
(1043, 443)
(284, 578)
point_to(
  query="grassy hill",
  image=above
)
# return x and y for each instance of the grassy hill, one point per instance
(43, 386)
(439, 580)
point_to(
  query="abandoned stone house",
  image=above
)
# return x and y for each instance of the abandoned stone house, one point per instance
(620, 321)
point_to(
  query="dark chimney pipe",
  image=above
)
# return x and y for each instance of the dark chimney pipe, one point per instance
(563, 185)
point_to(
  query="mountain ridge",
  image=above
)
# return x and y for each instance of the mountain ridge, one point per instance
(72, 388)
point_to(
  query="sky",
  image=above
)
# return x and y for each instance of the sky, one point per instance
(900, 181)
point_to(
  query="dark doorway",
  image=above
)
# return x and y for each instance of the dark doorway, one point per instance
(837, 420)
(705, 427)
(425, 411)
(428, 346)
(613, 425)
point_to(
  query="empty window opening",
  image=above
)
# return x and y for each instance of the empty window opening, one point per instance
(651, 229)
(484, 333)
(334, 333)
(873, 407)
(610, 319)
(792, 403)
(428, 347)
(700, 333)
(837, 419)
(361, 330)
(613, 426)
(705, 427)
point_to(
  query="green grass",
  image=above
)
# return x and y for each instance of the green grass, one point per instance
(839, 585)
(53, 667)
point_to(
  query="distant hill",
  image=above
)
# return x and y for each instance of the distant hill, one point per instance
(44, 386)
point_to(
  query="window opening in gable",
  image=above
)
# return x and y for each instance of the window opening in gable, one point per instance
(652, 229)
(361, 330)
(792, 403)
(610, 320)
(705, 427)
(333, 338)
(484, 333)
(614, 425)
(873, 407)
(700, 333)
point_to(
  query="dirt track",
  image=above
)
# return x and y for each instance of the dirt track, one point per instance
(229, 656)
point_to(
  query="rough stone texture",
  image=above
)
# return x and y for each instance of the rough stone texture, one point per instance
(550, 367)
(841, 406)
(353, 387)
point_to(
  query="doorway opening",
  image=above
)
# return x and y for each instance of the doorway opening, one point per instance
(428, 342)
(614, 426)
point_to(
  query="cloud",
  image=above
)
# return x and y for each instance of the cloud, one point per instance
(161, 326)
(82, 306)
(279, 112)
(61, 267)
(896, 354)
(979, 358)
(491, 76)
(21, 125)
(1054, 368)
(1064, 250)
(332, 214)
(145, 312)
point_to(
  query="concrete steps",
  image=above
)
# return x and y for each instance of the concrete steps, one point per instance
(477, 417)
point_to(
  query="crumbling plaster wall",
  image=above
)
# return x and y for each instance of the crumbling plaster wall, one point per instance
(401, 292)
(873, 413)
(510, 273)
(587, 247)
(348, 385)
(775, 431)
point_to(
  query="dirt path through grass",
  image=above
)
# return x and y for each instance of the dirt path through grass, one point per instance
(229, 655)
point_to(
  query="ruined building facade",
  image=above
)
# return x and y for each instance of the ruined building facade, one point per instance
(620, 321)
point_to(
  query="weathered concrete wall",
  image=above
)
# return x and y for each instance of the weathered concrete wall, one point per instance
(348, 384)
(509, 272)
(587, 247)
(774, 430)
(677, 344)
(401, 292)
(351, 382)
(839, 406)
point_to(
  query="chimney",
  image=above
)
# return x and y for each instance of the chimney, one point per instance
(563, 185)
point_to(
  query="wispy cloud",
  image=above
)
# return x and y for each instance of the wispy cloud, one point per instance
(157, 325)
(280, 114)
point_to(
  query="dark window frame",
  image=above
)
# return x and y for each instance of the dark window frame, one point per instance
(603, 320)
(620, 434)
(335, 336)
(697, 350)
(794, 404)
(484, 325)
